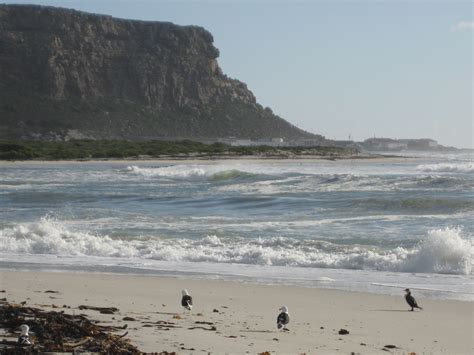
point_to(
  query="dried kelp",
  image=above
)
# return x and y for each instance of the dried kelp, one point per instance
(103, 310)
(59, 332)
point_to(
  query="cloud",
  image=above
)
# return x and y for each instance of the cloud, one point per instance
(463, 26)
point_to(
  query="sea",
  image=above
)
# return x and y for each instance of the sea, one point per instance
(369, 225)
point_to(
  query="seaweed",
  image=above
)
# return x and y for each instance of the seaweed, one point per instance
(60, 332)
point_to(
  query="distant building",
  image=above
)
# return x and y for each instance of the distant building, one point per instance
(399, 144)
(420, 144)
(346, 143)
(308, 142)
(272, 142)
(241, 142)
(384, 144)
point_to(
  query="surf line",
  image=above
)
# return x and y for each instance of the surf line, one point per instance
(420, 288)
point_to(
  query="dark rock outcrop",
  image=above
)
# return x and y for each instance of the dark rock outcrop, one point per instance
(69, 74)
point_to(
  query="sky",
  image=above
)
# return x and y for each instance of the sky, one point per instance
(358, 69)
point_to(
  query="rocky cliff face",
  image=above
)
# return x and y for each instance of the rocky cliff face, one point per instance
(65, 73)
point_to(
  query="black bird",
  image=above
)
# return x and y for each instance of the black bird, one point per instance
(186, 300)
(411, 300)
(283, 318)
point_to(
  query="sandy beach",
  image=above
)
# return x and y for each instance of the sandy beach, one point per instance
(369, 158)
(230, 317)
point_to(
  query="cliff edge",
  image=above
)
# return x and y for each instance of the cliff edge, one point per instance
(69, 74)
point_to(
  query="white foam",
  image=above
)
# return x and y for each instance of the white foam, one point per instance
(211, 172)
(442, 251)
(467, 167)
(48, 236)
(175, 171)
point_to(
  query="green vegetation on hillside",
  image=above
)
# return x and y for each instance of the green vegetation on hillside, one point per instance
(103, 149)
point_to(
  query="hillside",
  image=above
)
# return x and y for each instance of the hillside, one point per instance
(68, 74)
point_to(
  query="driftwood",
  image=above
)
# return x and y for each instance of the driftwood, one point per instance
(59, 332)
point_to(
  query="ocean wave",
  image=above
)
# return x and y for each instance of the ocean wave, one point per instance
(269, 179)
(231, 175)
(175, 171)
(445, 251)
(346, 183)
(424, 204)
(433, 182)
(327, 173)
(212, 173)
(467, 167)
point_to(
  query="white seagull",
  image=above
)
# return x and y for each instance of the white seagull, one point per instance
(23, 339)
(186, 300)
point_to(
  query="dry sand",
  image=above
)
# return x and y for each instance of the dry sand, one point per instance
(220, 159)
(244, 315)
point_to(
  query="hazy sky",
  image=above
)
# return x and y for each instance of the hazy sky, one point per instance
(398, 69)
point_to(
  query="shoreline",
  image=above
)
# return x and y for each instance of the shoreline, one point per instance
(344, 280)
(212, 159)
(244, 315)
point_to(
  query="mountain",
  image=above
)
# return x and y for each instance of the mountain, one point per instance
(69, 74)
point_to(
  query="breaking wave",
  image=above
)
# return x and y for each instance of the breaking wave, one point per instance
(176, 171)
(269, 180)
(184, 172)
(445, 251)
(447, 167)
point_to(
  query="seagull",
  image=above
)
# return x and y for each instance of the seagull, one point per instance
(23, 339)
(411, 300)
(186, 300)
(283, 318)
